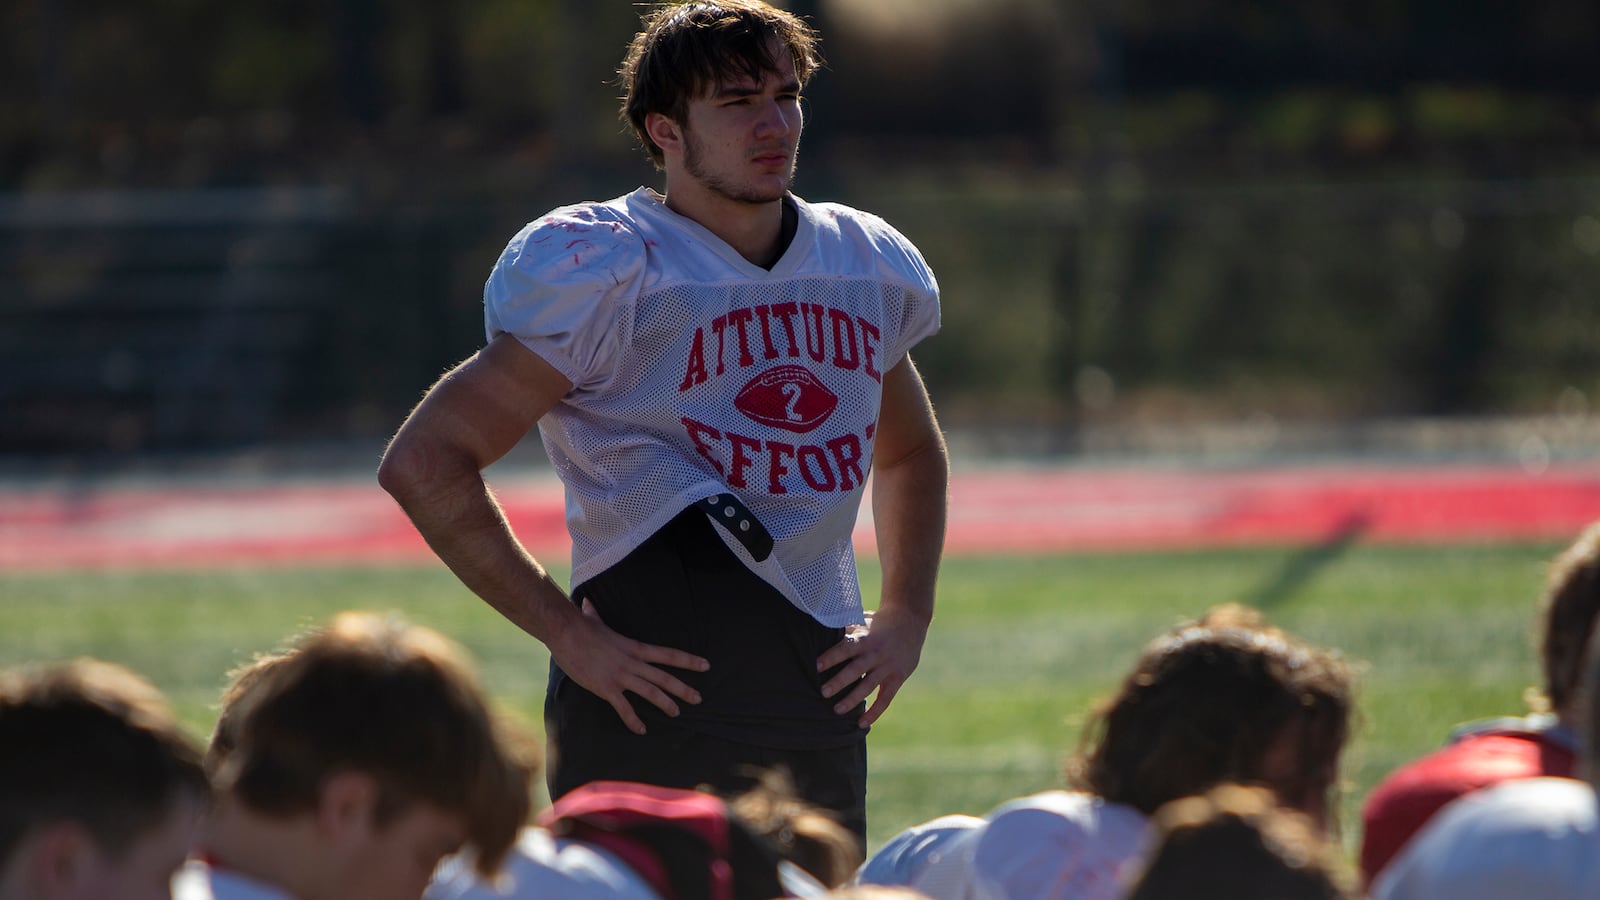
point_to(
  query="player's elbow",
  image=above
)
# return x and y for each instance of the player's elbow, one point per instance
(933, 464)
(927, 460)
(403, 471)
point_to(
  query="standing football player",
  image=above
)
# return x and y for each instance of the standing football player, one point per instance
(715, 371)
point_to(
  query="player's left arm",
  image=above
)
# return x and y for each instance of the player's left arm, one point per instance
(910, 500)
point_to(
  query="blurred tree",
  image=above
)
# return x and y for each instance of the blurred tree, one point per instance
(357, 35)
(1082, 137)
(446, 92)
(104, 90)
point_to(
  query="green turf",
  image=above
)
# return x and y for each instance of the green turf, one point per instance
(1018, 650)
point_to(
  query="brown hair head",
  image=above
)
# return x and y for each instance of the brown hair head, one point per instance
(800, 832)
(1568, 610)
(1237, 843)
(90, 742)
(1215, 701)
(375, 694)
(687, 49)
(242, 682)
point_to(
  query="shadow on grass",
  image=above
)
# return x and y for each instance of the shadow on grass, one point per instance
(1300, 568)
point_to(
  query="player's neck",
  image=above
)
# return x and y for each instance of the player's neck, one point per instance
(759, 232)
(271, 851)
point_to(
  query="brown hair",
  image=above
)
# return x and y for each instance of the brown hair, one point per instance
(687, 49)
(799, 831)
(1209, 702)
(1568, 610)
(1236, 842)
(400, 702)
(242, 682)
(90, 742)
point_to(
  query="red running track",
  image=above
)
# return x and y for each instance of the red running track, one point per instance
(1020, 510)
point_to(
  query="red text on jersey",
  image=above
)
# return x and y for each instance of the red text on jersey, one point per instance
(825, 335)
(833, 465)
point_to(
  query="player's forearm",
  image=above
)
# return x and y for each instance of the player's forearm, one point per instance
(910, 503)
(451, 506)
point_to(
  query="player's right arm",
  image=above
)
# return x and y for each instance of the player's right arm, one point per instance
(433, 467)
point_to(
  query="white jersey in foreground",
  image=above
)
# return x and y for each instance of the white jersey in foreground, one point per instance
(696, 373)
(1055, 845)
(198, 881)
(902, 860)
(544, 866)
(1532, 837)
(541, 865)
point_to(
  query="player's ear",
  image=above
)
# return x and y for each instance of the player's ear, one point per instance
(347, 806)
(59, 856)
(666, 133)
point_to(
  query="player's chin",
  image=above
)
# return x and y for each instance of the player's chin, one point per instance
(767, 191)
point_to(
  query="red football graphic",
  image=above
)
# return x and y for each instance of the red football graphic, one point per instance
(787, 397)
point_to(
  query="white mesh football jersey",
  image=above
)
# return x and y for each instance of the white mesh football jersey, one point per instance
(696, 372)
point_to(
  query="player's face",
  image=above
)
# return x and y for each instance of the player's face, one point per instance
(741, 139)
(144, 870)
(396, 861)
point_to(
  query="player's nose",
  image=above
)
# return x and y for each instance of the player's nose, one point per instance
(778, 119)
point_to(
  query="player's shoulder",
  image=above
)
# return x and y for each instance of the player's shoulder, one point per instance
(542, 865)
(1474, 758)
(192, 881)
(850, 223)
(904, 857)
(1067, 839)
(1534, 837)
(859, 237)
(196, 880)
(597, 216)
(1566, 805)
(1051, 820)
(1543, 728)
(1080, 808)
(585, 234)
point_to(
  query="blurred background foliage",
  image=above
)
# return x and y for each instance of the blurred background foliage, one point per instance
(223, 224)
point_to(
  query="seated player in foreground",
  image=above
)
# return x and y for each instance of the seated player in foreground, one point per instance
(631, 840)
(100, 791)
(1525, 837)
(1485, 753)
(352, 765)
(1224, 699)
(1238, 843)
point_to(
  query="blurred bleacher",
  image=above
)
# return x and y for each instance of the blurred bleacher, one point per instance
(295, 326)
(159, 319)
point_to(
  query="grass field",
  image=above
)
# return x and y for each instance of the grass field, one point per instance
(1019, 648)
